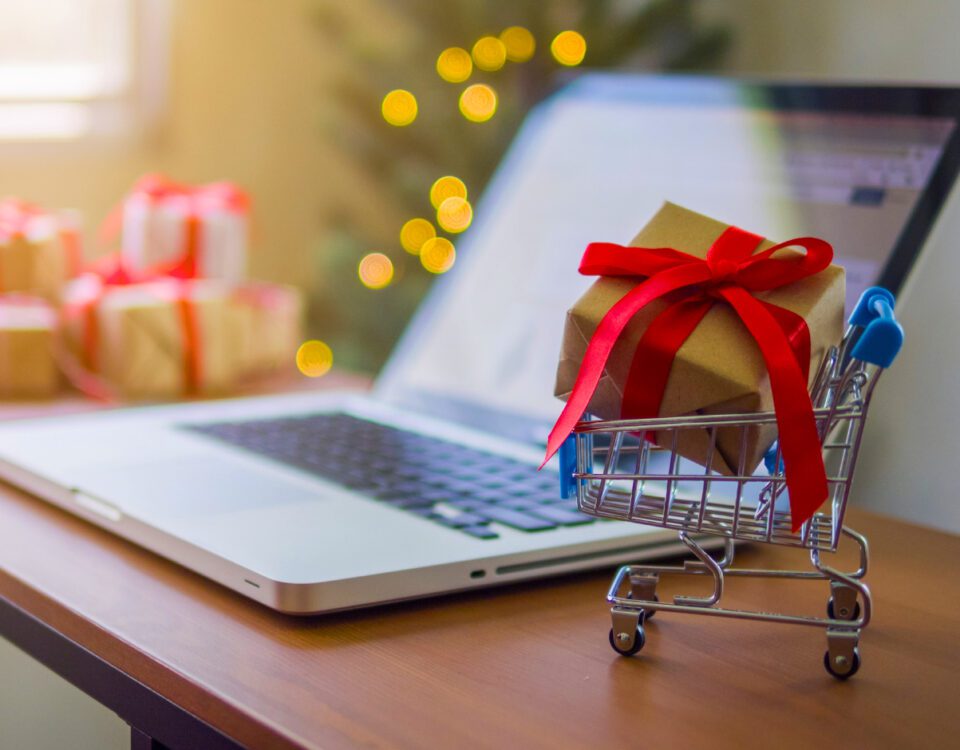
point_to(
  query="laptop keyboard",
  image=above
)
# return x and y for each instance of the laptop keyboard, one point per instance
(462, 488)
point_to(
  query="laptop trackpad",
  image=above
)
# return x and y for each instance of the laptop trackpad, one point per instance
(194, 486)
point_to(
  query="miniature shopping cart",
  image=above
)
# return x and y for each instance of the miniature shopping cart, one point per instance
(617, 474)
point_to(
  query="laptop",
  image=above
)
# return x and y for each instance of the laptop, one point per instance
(324, 501)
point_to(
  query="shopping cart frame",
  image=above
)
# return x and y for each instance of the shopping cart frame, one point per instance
(841, 394)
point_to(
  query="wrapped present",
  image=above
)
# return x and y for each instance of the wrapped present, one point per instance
(697, 317)
(154, 339)
(28, 368)
(39, 250)
(270, 325)
(188, 231)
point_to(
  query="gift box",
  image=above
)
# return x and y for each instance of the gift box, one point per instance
(39, 250)
(714, 365)
(28, 367)
(197, 231)
(158, 339)
(270, 325)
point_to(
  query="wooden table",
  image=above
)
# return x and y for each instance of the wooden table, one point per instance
(190, 664)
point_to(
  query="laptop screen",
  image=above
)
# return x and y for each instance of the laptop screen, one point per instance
(594, 163)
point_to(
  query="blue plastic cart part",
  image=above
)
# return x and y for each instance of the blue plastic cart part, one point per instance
(770, 461)
(568, 465)
(882, 335)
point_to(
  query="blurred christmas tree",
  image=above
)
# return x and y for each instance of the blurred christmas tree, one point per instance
(463, 73)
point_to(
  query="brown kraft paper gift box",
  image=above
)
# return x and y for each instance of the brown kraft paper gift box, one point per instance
(38, 266)
(719, 368)
(28, 368)
(141, 351)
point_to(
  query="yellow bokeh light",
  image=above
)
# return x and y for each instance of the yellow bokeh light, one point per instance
(478, 102)
(399, 107)
(314, 358)
(454, 65)
(447, 187)
(489, 53)
(414, 233)
(568, 48)
(454, 215)
(519, 43)
(375, 271)
(438, 255)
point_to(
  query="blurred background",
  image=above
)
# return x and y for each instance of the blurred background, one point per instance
(287, 99)
(291, 100)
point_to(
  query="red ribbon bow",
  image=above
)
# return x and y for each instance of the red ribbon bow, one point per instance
(731, 273)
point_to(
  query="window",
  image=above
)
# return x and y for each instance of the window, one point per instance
(76, 68)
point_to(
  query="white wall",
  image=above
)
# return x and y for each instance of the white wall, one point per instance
(903, 40)
(911, 439)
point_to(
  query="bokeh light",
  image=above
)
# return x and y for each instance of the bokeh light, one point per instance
(415, 232)
(399, 107)
(314, 358)
(519, 43)
(489, 53)
(375, 270)
(447, 187)
(478, 102)
(454, 215)
(454, 65)
(568, 48)
(438, 255)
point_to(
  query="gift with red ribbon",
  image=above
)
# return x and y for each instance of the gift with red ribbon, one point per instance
(189, 231)
(698, 317)
(28, 367)
(39, 249)
(149, 337)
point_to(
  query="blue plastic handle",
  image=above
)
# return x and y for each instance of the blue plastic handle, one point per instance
(882, 335)
(770, 461)
(568, 465)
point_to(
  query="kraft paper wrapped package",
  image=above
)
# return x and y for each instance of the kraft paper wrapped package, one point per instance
(270, 323)
(719, 368)
(39, 250)
(155, 340)
(166, 224)
(28, 367)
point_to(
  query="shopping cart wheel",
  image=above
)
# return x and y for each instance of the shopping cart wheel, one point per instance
(832, 616)
(842, 671)
(618, 639)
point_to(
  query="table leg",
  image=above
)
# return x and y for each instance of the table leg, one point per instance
(141, 741)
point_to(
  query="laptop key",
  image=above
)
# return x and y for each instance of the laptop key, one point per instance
(561, 516)
(464, 519)
(481, 532)
(516, 519)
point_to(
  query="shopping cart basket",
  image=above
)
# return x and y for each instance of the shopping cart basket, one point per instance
(617, 474)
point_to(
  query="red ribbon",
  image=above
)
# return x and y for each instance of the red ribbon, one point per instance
(731, 273)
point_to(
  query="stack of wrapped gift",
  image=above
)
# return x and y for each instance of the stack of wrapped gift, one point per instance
(170, 315)
(165, 337)
(697, 317)
(173, 315)
(39, 252)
